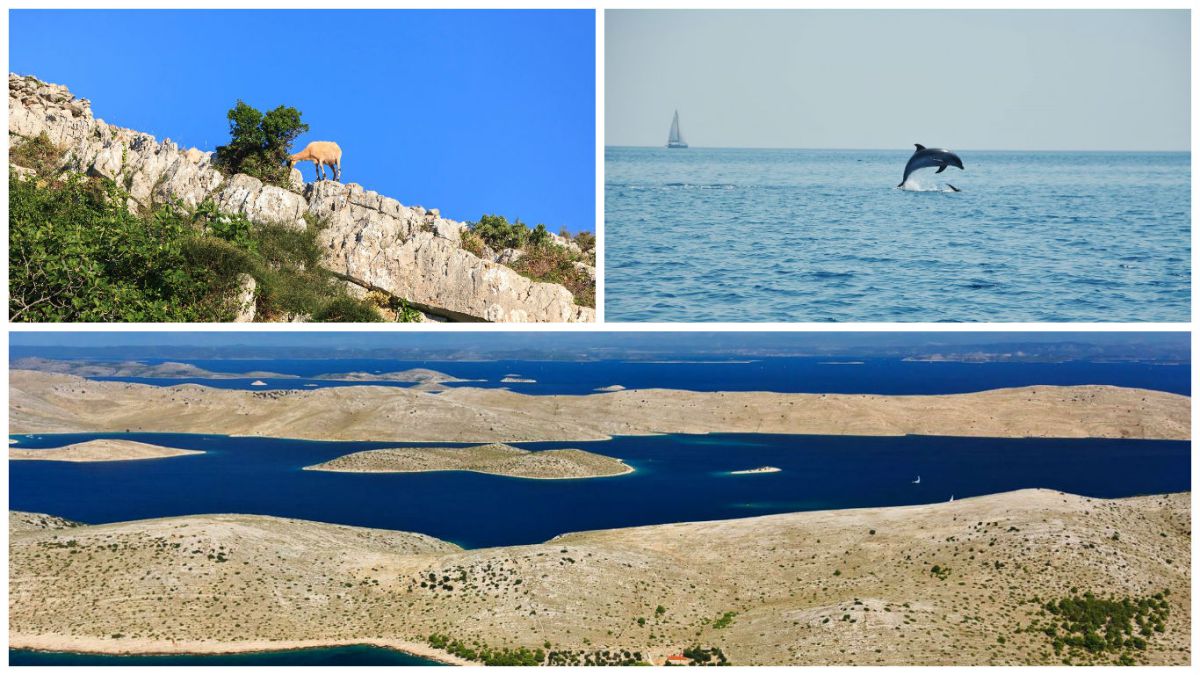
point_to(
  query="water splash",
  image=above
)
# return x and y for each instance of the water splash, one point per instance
(915, 184)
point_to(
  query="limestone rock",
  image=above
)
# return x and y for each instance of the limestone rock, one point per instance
(245, 298)
(509, 256)
(410, 252)
(262, 203)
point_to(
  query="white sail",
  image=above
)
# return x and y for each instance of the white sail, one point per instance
(675, 139)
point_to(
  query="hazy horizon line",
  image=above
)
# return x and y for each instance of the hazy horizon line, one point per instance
(845, 149)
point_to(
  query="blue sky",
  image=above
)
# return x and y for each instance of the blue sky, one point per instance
(965, 79)
(471, 112)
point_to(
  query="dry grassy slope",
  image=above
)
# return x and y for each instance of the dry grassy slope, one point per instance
(784, 575)
(493, 458)
(43, 402)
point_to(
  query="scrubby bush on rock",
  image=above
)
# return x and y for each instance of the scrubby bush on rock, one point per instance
(258, 144)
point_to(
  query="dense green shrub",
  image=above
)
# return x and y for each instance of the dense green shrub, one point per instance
(78, 254)
(498, 233)
(478, 651)
(258, 143)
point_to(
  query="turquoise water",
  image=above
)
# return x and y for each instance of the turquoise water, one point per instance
(807, 235)
(356, 655)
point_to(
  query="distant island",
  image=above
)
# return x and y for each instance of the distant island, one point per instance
(41, 402)
(175, 370)
(494, 458)
(99, 450)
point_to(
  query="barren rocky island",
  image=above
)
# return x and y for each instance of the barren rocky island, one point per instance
(494, 458)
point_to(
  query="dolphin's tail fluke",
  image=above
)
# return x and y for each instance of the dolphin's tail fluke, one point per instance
(953, 188)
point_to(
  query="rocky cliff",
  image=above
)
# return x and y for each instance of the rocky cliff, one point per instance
(371, 240)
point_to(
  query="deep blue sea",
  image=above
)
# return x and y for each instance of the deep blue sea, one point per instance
(808, 374)
(356, 655)
(677, 478)
(823, 235)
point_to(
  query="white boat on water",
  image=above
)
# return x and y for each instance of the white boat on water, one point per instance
(917, 481)
(675, 139)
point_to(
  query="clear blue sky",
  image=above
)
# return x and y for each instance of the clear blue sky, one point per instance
(471, 112)
(965, 79)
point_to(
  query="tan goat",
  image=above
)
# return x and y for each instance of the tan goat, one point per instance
(322, 154)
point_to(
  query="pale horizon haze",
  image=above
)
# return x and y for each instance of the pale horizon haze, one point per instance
(885, 79)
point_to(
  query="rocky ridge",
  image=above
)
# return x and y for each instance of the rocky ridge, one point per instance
(371, 240)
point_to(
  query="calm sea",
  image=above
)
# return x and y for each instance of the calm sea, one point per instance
(678, 478)
(826, 375)
(355, 655)
(816, 235)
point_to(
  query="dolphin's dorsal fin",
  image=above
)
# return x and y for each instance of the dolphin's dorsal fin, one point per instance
(919, 147)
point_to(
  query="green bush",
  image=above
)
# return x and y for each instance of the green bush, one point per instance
(554, 264)
(258, 144)
(498, 233)
(543, 259)
(78, 254)
(38, 153)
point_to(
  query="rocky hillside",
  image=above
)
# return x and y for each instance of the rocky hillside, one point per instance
(372, 241)
(1021, 578)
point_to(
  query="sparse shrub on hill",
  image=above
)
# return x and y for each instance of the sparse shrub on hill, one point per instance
(38, 153)
(258, 144)
(542, 259)
(1086, 628)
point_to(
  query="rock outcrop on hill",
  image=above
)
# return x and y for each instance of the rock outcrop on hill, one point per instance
(372, 240)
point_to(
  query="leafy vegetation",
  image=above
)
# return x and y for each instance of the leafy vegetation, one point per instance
(38, 153)
(258, 143)
(77, 253)
(1088, 627)
(599, 657)
(497, 233)
(478, 651)
(542, 259)
(712, 656)
(725, 620)
(555, 264)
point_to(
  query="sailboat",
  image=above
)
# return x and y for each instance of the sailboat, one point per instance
(675, 140)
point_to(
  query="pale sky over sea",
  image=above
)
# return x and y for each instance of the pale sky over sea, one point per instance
(1011, 79)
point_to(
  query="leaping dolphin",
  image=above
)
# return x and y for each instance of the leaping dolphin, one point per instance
(926, 157)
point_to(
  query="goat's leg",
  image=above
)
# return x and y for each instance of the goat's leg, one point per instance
(318, 169)
(337, 170)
